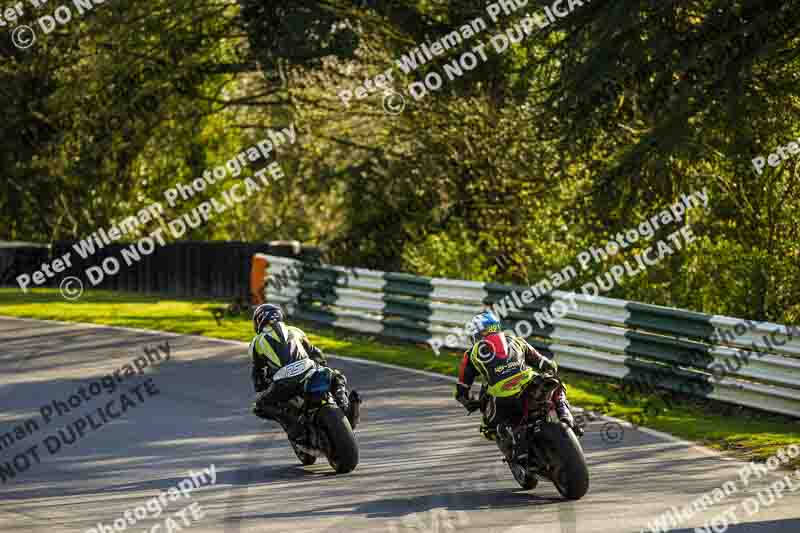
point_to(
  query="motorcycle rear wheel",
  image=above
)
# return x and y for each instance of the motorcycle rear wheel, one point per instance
(343, 456)
(570, 473)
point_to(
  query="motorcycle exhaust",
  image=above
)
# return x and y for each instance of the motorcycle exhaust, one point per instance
(310, 451)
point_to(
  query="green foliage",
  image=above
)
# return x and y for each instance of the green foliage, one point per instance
(454, 254)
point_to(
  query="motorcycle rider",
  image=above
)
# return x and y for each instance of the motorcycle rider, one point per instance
(276, 345)
(502, 360)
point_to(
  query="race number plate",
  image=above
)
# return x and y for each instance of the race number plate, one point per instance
(294, 369)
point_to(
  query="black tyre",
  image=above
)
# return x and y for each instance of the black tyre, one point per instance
(570, 473)
(343, 456)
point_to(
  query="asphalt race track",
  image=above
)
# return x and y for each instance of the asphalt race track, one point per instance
(424, 466)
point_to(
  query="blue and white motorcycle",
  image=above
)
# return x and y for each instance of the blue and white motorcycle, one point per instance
(327, 430)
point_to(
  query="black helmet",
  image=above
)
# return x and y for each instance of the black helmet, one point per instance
(266, 314)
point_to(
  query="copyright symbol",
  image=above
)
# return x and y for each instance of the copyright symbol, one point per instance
(612, 432)
(485, 352)
(71, 288)
(393, 102)
(18, 37)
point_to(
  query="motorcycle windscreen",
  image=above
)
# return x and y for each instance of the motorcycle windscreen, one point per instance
(320, 382)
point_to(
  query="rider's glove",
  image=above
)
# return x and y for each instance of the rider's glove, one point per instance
(470, 404)
(466, 403)
(463, 397)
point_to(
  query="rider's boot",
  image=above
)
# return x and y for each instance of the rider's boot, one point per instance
(260, 413)
(354, 413)
(488, 432)
(564, 413)
(350, 404)
(294, 430)
(260, 408)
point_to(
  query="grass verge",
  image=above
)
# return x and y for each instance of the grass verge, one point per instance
(748, 433)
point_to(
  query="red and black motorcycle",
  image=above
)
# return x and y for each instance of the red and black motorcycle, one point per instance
(541, 445)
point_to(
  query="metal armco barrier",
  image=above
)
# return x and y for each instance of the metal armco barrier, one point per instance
(705, 355)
